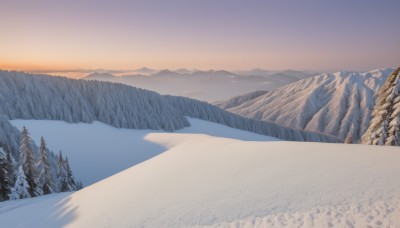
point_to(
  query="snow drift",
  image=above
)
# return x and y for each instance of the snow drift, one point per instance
(208, 181)
(101, 145)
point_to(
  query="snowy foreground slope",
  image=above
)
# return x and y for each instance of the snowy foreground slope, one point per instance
(209, 181)
(97, 150)
(333, 104)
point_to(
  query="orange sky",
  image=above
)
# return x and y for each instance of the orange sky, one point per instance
(232, 35)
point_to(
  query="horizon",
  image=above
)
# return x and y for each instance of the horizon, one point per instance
(41, 36)
(81, 73)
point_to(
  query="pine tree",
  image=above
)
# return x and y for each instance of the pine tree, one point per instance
(70, 176)
(10, 166)
(21, 187)
(62, 174)
(79, 185)
(43, 166)
(394, 124)
(384, 127)
(349, 138)
(4, 181)
(28, 163)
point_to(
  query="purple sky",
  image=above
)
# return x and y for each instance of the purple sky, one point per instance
(204, 34)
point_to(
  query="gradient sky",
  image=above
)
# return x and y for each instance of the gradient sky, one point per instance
(205, 34)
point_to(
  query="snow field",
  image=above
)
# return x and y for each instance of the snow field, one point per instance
(97, 150)
(219, 182)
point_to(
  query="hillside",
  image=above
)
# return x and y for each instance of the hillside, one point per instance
(333, 104)
(238, 100)
(217, 182)
(29, 96)
(42, 97)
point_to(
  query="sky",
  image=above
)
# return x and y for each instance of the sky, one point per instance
(203, 34)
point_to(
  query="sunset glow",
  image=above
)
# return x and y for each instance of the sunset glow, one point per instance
(315, 35)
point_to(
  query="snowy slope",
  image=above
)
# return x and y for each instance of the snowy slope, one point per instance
(109, 150)
(332, 104)
(212, 85)
(208, 181)
(238, 100)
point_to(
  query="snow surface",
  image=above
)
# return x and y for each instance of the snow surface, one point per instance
(210, 181)
(97, 150)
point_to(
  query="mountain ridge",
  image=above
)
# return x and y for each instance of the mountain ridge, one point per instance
(334, 104)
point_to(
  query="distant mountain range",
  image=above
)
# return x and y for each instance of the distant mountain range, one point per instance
(211, 85)
(336, 104)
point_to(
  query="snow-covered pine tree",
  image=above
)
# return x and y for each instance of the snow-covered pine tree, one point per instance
(70, 177)
(349, 138)
(11, 166)
(62, 174)
(4, 182)
(384, 127)
(28, 163)
(394, 124)
(43, 166)
(79, 185)
(21, 187)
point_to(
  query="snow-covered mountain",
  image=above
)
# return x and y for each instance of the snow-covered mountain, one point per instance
(204, 181)
(212, 85)
(27, 96)
(333, 104)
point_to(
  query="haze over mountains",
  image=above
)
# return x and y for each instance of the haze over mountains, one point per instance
(212, 85)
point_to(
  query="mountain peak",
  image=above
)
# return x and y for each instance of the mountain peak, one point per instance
(166, 72)
(145, 70)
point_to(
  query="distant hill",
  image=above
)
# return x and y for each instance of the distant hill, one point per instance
(99, 76)
(210, 86)
(145, 71)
